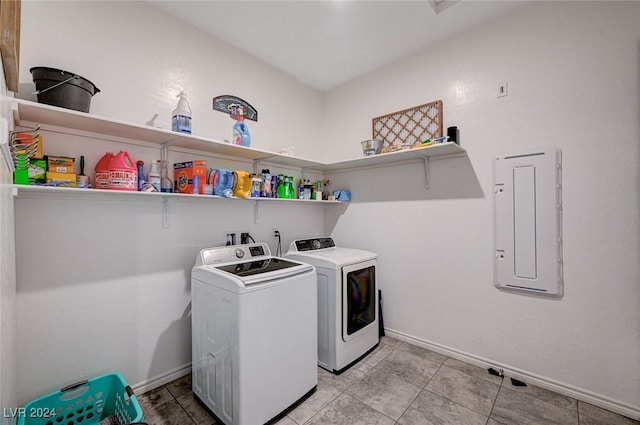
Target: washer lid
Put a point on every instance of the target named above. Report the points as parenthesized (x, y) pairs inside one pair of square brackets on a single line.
[(263, 265), (241, 266), (244, 276)]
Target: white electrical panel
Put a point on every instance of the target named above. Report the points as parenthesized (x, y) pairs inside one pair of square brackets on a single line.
[(528, 222)]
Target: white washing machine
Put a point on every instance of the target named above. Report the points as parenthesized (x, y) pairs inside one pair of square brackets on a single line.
[(254, 332), (347, 300)]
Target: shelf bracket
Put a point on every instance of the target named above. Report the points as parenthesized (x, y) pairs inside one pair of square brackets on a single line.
[(165, 212), (427, 182)]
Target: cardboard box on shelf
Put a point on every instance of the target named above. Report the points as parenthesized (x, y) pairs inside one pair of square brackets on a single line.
[(60, 164), (64, 179)]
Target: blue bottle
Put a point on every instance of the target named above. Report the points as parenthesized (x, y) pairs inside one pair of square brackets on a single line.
[(241, 134), (141, 178)]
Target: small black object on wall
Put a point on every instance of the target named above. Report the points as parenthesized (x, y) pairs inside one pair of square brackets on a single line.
[(454, 134)]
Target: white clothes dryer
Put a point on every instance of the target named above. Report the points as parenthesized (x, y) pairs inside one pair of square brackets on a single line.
[(347, 300), (254, 332)]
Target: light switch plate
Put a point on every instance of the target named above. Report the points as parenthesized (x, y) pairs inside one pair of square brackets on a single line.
[(503, 89)]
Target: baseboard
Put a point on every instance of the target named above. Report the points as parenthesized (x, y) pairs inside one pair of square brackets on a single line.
[(522, 375), (160, 380)]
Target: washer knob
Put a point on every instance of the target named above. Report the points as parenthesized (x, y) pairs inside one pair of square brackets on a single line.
[(316, 244), (239, 253)]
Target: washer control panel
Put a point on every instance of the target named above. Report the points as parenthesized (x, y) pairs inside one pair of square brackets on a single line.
[(227, 254)]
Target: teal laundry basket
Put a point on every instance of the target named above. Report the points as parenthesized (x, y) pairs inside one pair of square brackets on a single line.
[(85, 403)]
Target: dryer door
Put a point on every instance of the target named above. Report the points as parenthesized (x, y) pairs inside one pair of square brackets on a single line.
[(359, 298)]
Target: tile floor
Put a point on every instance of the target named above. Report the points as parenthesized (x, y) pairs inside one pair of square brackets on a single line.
[(403, 384)]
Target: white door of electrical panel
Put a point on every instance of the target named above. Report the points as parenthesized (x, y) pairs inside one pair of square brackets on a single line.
[(528, 222)]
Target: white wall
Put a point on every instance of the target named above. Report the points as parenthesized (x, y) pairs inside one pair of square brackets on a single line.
[(573, 71), (102, 285), (8, 382), (140, 58)]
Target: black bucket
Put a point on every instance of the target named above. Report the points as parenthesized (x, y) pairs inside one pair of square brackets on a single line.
[(63, 88)]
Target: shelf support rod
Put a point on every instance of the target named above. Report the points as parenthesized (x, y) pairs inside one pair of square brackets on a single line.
[(427, 182), (165, 212), (164, 152), (256, 212)]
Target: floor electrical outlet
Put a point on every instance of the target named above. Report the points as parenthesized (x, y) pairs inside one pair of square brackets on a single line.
[(495, 372)]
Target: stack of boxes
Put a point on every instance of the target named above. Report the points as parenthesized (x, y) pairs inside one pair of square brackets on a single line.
[(60, 170)]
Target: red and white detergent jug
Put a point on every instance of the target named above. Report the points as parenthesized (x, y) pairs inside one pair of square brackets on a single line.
[(123, 174), (102, 171)]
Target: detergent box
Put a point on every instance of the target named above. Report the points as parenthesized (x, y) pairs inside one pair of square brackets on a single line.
[(183, 173)]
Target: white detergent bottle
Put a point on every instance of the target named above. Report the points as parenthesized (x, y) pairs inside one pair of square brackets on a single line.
[(154, 176), (181, 117)]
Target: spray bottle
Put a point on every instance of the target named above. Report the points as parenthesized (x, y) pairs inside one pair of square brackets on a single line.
[(181, 117), (241, 134)]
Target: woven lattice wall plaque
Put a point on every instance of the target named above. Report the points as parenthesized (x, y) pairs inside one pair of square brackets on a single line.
[(410, 126)]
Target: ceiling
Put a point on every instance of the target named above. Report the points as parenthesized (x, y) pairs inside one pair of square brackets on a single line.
[(326, 43)]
